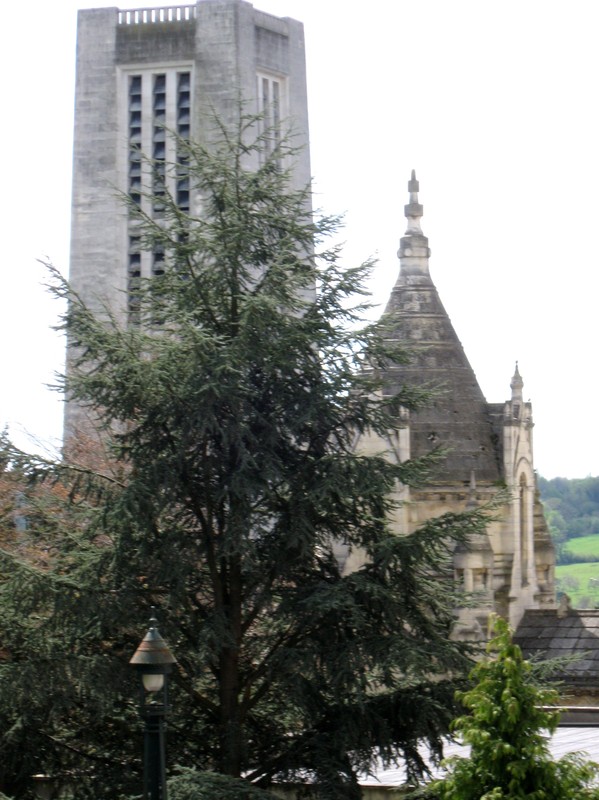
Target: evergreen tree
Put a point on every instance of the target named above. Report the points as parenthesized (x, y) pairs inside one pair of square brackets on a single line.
[(230, 406), (507, 729)]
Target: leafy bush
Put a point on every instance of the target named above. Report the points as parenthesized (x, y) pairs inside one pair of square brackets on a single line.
[(192, 784), (507, 730)]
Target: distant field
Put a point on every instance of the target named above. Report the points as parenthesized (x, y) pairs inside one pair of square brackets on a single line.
[(584, 546), (580, 582)]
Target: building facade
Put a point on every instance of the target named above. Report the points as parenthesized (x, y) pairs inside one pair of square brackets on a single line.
[(143, 73), (489, 448), (140, 75)]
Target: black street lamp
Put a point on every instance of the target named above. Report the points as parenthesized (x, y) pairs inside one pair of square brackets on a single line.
[(153, 661)]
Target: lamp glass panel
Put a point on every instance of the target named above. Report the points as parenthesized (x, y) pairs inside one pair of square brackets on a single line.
[(153, 682)]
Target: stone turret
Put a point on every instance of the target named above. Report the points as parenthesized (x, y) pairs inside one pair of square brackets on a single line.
[(488, 447)]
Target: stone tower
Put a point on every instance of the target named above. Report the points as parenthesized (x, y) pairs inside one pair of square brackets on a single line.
[(139, 74), (511, 567)]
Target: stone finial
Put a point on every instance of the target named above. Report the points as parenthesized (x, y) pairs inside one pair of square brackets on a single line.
[(413, 187), (516, 385), (413, 210), (564, 606), (472, 502), (413, 250)]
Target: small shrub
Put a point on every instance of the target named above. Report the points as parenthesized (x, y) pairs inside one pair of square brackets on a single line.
[(192, 784)]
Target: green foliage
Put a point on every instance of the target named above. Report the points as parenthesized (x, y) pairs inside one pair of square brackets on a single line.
[(571, 507), (191, 784), (229, 409), (584, 548), (507, 731), (572, 513), (578, 581)]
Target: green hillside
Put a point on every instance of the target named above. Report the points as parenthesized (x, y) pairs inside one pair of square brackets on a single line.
[(584, 547), (571, 506), (580, 582), (572, 512)]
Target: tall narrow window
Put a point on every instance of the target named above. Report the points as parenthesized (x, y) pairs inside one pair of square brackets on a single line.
[(158, 104), (135, 170), (159, 141), (135, 137), (134, 278), (524, 521), (272, 108), (158, 260), (183, 132)]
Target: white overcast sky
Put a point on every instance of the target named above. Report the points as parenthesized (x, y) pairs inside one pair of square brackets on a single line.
[(495, 106)]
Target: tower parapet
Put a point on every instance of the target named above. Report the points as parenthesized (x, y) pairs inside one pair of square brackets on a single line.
[(137, 16)]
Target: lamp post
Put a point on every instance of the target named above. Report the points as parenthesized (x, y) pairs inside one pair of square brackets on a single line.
[(153, 661)]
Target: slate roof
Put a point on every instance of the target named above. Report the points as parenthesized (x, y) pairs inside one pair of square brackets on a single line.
[(563, 633), (459, 418), (565, 740)]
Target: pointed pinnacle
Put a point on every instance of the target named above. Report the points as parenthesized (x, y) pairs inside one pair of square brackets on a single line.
[(413, 210), (413, 185), (516, 384)]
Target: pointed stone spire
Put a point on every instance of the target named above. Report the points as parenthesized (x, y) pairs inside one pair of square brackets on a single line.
[(416, 319), (413, 250), (516, 386)]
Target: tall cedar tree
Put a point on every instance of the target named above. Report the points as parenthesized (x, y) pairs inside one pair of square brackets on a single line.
[(230, 406), (507, 729)]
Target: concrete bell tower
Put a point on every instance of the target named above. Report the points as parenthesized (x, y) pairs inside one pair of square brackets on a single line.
[(140, 74)]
